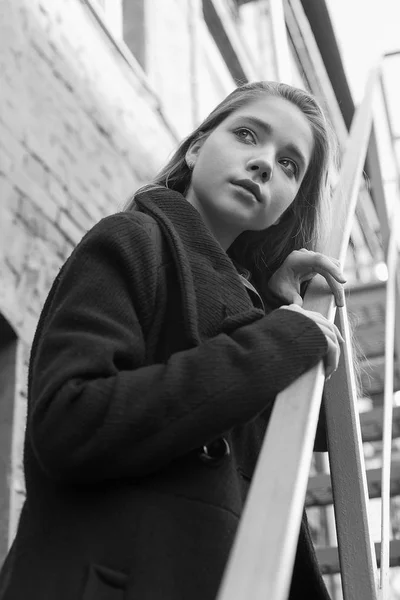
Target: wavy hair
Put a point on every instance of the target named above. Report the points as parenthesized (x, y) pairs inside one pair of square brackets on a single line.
[(305, 223)]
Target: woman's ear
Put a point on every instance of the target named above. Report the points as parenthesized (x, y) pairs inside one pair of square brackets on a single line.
[(194, 149)]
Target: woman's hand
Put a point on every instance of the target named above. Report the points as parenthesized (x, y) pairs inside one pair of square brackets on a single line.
[(331, 333), (302, 265)]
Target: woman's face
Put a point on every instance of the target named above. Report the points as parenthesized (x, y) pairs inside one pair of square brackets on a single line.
[(249, 169)]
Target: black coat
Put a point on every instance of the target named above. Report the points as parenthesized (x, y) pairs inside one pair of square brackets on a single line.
[(151, 381)]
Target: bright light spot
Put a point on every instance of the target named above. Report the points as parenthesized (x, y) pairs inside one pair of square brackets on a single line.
[(365, 404), (381, 271), (396, 398)]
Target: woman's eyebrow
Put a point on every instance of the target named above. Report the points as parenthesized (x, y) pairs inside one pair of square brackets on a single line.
[(268, 129)]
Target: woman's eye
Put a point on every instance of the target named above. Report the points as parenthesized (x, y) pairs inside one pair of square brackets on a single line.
[(246, 135), (290, 166)]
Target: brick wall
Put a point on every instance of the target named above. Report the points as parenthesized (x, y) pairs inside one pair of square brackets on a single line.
[(80, 130), (78, 133)]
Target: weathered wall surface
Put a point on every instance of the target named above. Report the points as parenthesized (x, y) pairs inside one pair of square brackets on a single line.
[(80, 130), (78, 133)]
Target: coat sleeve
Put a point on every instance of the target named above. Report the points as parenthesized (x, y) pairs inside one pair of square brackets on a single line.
[(272, 301), (96, 411)]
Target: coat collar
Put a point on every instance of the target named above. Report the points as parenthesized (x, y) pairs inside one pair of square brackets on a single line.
[(200, 261)]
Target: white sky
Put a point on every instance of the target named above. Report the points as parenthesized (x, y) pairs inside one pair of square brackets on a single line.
[(365, 30)]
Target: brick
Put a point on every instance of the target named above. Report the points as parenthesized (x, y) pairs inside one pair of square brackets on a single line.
[(38, 272), (32, 216), (14, 116), (12, 151), (18, 243), (6, 163), (36, 194), (69, 228), (36, 170), (55, 239), (26, 325), (9, 196), (93, 209), (52, 269), (58, 192), (15, 241), (42, 47), (80, 216), (8, 285)]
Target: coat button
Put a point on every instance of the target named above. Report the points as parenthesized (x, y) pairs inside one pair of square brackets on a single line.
[(215, 452)]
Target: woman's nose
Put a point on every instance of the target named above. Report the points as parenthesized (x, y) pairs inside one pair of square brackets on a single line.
[(264, 168)]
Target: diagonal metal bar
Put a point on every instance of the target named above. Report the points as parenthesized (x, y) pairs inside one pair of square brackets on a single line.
[(391, 218), (349, 485), (384, 583)]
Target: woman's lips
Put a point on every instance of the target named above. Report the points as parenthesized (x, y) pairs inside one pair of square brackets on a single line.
[(246, 192)]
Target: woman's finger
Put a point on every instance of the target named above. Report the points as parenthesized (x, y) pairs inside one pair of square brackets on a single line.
[(327, 264), (324, 266), (333, 354), (315, 261), (336, 287)]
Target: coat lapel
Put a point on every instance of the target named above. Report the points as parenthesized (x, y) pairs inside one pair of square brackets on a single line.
[(213, 296)]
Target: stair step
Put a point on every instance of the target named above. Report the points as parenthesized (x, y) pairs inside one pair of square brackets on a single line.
[(373, 375), (372, 421), (328, 558), (366, 307), (319, 489)]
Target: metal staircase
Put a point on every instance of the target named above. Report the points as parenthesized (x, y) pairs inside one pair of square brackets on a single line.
[(262, 558), (367, 303)]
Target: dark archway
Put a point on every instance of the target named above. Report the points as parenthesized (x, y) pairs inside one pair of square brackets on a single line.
[(8, 357)]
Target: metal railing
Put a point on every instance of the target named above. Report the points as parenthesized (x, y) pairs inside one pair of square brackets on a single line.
[(262, 557), (390, 329)]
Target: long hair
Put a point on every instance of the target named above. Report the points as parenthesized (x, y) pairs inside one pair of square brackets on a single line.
[(305, 223)]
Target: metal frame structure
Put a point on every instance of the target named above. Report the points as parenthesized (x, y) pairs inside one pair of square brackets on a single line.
[(262, 558)]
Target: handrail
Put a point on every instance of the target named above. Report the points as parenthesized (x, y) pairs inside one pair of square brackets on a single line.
[(262, 557), (388, 414), (389, 218), (390, 327)]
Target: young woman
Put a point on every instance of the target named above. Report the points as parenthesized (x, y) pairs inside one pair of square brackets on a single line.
[(159, 353)]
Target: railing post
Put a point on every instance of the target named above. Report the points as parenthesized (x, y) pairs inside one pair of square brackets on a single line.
[(349, 483)]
